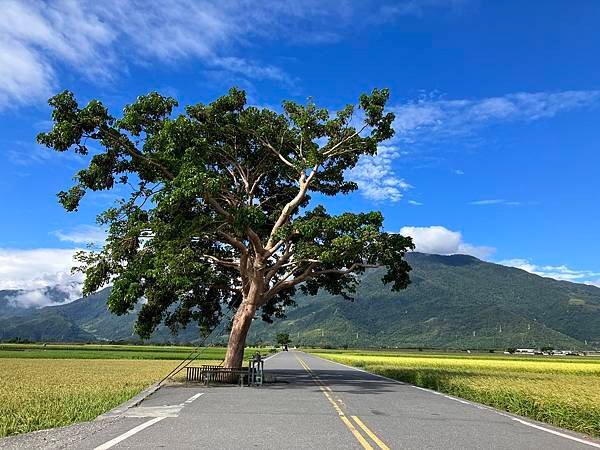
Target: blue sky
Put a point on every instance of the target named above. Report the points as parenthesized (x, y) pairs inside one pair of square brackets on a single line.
[(497, 105)]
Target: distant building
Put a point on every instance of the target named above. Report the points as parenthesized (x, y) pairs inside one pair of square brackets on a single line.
[(525, 351)]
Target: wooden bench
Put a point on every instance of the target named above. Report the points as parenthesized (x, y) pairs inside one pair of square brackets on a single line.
[(216, 374)]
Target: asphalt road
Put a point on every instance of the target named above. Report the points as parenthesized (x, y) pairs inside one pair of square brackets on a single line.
[(315, 404)]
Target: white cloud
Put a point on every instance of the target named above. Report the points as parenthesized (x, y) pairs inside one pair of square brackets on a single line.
[(25, 154), (417, 7), (429, 119), (39, 298), (432, 119), (561, 272), (375, 177), (415, 203), (497, 201), (82, 234), (35, 271), (494, 201), (441, 240), (101, 39)]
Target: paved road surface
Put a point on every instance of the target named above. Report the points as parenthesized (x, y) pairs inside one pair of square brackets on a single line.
[(316, 404)]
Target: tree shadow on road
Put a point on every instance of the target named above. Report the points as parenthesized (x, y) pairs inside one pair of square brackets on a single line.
[(341, 380)]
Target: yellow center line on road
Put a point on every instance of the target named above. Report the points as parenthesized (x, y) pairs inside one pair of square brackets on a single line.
[(359, 437), (370, 433)]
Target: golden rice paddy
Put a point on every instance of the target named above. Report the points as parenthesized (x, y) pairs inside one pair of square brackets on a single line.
[(44, 393)]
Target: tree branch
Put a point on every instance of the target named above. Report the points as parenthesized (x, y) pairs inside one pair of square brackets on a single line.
[(255, 240), (253, 237), (135, 153), (278, 264), (231, 240), (223, 262), (352, 268), (343, 141), (288, 209), (283, 284), (284, 159), (309, 273)]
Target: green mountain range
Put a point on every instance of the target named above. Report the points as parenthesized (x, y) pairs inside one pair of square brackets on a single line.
[(454, 301)]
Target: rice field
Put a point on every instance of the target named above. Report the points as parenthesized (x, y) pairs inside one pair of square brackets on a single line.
[(562, 392), (105, 351), (55, 385), (45, 393)]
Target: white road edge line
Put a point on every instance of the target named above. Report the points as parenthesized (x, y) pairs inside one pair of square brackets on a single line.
[(485, 407), (194, 397), (269, 357), (128, 434), (558, 433)]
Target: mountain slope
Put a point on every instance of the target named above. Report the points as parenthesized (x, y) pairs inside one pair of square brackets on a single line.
[(453, 301)]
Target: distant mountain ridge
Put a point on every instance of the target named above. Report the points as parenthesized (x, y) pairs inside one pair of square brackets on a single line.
[(454, 301)]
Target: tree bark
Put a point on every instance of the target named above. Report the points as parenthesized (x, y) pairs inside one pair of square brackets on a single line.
[(239, 330)]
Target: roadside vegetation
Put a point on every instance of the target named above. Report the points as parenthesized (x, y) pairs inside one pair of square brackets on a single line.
[(560, 391), (55, 385)]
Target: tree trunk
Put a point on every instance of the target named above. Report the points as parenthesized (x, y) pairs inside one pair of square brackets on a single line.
[(239, 330)]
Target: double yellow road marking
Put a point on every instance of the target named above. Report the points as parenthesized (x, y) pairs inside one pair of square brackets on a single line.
[(336, 405)]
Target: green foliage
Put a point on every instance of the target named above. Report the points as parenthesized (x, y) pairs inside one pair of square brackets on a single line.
[(220, 201), (283, 339)]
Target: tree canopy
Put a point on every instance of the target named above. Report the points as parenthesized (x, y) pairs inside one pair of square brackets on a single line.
[(219, 209), (283, 339)]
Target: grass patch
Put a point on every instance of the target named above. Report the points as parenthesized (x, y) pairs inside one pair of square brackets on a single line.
[(562, 392)]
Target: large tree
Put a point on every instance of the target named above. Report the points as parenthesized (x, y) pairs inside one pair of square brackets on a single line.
[(218, 212)]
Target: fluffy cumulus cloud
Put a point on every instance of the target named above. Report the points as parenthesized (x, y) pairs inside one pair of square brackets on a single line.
[(561, 272), (376, 178), (99, 39), (35, 271), (440, 240)]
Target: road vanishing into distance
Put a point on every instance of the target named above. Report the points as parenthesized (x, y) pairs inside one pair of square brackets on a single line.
[(314, 404)]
